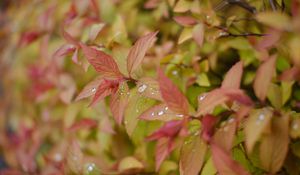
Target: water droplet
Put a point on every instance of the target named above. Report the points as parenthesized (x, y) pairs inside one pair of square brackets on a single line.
[(160, 113), (196, 133), (90, 167), (231, 120), (174, 72), (179, 115), (93, 89), (260, 118), (142, 88), (295, 126), (57, 157), (202, 97), (152, 114), (222, 33), (166, 108)]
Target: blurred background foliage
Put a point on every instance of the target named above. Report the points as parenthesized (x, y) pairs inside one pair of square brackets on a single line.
[(45, 131)]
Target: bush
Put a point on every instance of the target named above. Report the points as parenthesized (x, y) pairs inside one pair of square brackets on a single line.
[(150, 87)]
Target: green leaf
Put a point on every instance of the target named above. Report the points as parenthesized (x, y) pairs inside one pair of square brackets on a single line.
[(274, 95), (202, 80), (286, 90)]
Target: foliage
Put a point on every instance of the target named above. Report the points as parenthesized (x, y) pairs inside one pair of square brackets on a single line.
[(150, 87)]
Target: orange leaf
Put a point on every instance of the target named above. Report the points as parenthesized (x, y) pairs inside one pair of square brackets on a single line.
[(172, 96), (192, 156), (138, 51), (274, 146), (233, 77), (263, 78), (256, 125), (224, 163), (102, 62)]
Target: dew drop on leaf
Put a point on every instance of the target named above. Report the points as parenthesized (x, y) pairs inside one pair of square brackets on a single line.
[(142, 88), (160, 113)]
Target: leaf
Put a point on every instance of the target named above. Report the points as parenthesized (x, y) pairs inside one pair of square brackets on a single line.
[(256, 124), (295, 128), (149, 87), (70, 39), (208, 123), (224, 163), (163, 148), (64, 50), (224, 136), (274, 146), (75, 157), (275, 19), (95, 30), (192, 156), (186, 34), (172, 96), (136, 106), (29, 37), (83, 123), (106, 88), (160, 112), (138, 51), (275, 96), (263, 78), (290, 74), (89, 89), (182, 6), (118, 102), (208, 168), (286, 90), (185, 20), (101, 62), (168, 130), (198, 34), (202, 80), (129, 164), (233, 77)]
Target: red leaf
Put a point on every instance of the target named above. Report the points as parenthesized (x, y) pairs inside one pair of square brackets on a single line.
[(163, 148), (290, 74), (138, 51), (102, 62), (104, 89), (83, 123), (64, 50), (118, 102), (89, 89), (185, 20), (170, 129), (160, 112), (224, 163), (208, 123), (29, 37), (233, 77), (263, 78), (172, 96)]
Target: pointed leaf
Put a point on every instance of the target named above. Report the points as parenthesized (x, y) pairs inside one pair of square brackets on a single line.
[(101, 62), (192, 156), (104, 89), (172, 96), (83, 123), (119, 101), (89, 89), (198, 34), (149, 87), (224, 163), (163, 148), (256, 125), (185, 20), (138, 51), (233, 77), (263, 78), (274, 146), (160, 112), (208, 123)]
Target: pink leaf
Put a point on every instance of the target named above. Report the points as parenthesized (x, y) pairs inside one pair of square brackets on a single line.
[(104, 89), (89, 89), (163, 148), (64, 50), (160, 112), (198, 34), (151, 4), (185, 20), (170, 129), (269, 40), (138, 51), (70, 39), (233, 77), (102, 62), (82, 124), (290, 74), (263, 78), (118, 102), (224, 163), (29, 37), (172, 96)]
